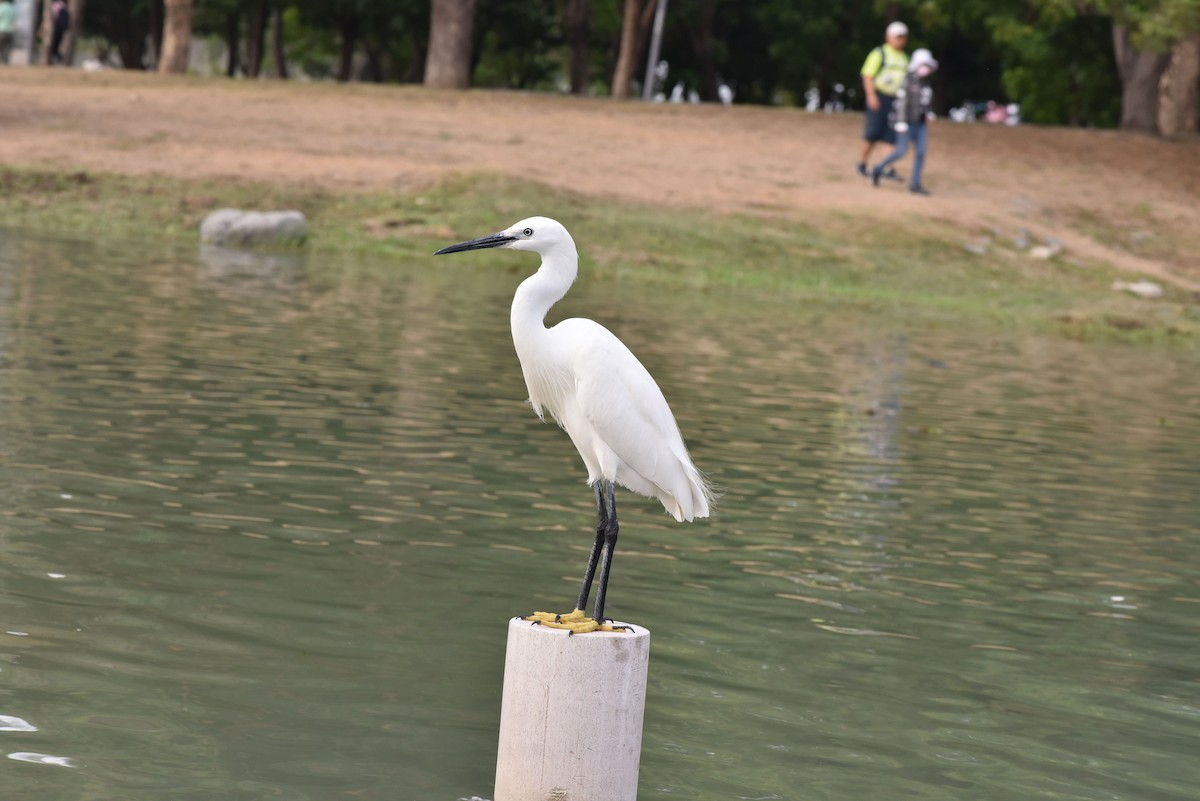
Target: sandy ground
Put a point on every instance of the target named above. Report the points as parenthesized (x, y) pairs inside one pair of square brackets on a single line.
[(1129, 200)]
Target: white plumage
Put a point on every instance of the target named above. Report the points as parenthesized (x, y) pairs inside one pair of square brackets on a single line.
[(595, 387), (597, 390)]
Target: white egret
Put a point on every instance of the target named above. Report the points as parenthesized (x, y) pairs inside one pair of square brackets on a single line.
[(597, 390)]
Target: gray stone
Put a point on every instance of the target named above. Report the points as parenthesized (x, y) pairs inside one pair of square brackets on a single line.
[(248, 228), (1021, 239), (1143, 289), (1052, 248)]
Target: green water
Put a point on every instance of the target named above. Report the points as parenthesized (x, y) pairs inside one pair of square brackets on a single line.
[(263, 525)]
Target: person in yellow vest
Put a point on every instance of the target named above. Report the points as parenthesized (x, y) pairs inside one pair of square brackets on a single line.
[(883, 74)]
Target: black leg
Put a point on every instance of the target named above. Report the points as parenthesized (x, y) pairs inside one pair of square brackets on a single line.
[(593, 560), (610, 544)]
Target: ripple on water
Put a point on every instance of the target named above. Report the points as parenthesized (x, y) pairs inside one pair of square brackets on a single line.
[(263, 528)]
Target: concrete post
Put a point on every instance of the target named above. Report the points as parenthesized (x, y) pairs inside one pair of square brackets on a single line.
[(571, 718)]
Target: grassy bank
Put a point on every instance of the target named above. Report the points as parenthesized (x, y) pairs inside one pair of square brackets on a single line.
[(919, 271)]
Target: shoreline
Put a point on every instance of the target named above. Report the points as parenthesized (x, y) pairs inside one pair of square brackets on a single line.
[(741, 197)]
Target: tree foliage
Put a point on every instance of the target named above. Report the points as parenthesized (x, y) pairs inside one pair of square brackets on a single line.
[(1054, 57)]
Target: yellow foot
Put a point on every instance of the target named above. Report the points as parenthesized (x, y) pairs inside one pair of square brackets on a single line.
[(576, 622)]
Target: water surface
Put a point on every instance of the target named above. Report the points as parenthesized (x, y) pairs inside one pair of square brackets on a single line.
[(263, 524)]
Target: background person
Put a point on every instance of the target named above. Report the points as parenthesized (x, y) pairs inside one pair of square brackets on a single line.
[(60, 22), (911, 115), (882, 76)]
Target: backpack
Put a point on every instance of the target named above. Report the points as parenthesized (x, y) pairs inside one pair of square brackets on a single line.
[(882, 60)]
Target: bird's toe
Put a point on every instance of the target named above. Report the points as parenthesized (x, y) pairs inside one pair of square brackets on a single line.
[(576, 622)]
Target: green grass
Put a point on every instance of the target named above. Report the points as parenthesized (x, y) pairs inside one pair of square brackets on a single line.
[(916, 270)]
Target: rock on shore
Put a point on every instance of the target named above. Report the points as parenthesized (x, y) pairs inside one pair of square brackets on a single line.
[(248, 228)]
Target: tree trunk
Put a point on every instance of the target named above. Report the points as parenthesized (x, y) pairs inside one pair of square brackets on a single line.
[(43, 32), (414, 71), (374, 65), (578, 23), (448, 65), (256, 38), (349, 32), (76, 8), (1177, 95), (281, 70), (130, 43), (233, 42), (177, 37), (156, 31), (635, 24), (701, 35), (1140, 72), (626, 61)]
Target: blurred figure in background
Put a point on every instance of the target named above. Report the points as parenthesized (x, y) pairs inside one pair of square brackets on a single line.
[(60, 22), (911, 116), (8, 28), (882, 76)]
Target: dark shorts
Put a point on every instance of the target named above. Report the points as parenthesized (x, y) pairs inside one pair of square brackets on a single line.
[(877, 128)]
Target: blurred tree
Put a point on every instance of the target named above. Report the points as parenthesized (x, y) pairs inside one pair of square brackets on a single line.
[(256, 35), (700, 19), (177, 36), (400, 30), (1053, 57), (1059, 65), (76, 9), (635, 28), (521, 46), (220, 18), (157, 13), (123, 25), (277, 49), (819, 44), (448, 64), (348, 20), (1141, 70), (1079, 62), (233, 42), (577, 19), (1177, 108), (603, 43), (1143, 34), (349, 24)]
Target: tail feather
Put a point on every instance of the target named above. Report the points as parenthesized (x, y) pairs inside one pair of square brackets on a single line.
[(693, 499)]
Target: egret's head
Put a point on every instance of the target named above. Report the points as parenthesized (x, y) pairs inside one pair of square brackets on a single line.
[(539, 234)]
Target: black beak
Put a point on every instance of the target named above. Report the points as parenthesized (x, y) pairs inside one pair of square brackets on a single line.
[(492, 241)]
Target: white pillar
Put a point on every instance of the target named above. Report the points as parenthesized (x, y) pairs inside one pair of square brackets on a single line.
[(571, 718), (656, 33)]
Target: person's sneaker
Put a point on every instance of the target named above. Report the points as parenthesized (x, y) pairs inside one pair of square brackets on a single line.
[(919, 190), (892, 175), (876, 174), (862, 168)]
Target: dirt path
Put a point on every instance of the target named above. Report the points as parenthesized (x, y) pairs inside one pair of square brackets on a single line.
[(1104, 194)]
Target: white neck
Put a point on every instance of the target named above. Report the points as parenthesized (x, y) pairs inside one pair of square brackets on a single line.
[(540, 291)]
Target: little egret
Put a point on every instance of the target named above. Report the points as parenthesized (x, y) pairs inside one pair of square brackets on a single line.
[(597, 390)]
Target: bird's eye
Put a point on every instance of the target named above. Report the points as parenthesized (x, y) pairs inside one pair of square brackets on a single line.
[(528, 232)]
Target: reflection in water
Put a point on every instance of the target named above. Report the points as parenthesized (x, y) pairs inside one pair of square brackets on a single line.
[(264, 524), (237, 270), (42, 759), (14, 723)]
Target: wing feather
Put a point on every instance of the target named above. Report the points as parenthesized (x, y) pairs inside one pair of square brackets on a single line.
[(629, 416)]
